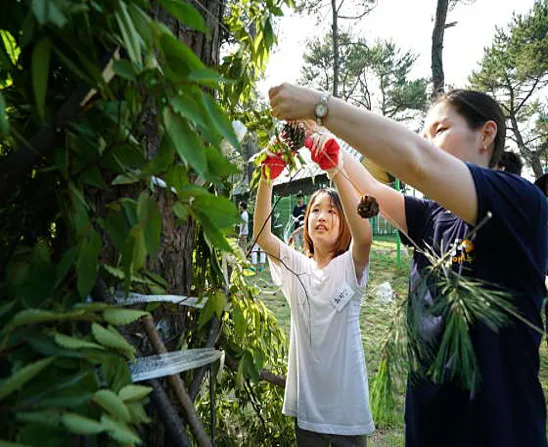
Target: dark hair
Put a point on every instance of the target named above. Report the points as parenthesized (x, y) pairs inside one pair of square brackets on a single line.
[(300, 195), (243, 205), (477, 108), (510, 162), (343, 242), (542, 183)]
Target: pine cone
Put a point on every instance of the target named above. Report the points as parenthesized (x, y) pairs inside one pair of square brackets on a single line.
[(368, 206), (293, 135)]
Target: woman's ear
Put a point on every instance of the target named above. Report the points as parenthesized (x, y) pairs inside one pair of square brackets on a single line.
[(489, 133)]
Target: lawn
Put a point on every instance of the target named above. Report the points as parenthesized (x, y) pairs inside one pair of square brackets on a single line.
[(374, 322)]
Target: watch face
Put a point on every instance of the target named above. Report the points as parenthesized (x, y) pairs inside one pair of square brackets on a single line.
[(321, 110)]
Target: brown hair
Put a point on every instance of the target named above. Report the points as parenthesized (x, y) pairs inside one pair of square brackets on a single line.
[(477, 108), (343, 241)]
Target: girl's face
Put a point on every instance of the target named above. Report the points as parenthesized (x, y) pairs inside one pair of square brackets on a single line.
[(324, 222), (449, 131)]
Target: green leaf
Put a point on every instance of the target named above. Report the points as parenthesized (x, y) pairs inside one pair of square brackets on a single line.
[(67, 261), (68, 342), (123, 316), (112, 339), (220, 120), (214, 305), (22, 376), (138, 247), (40, 71), (249, 367), (181, 211), (124, 179), (142, 23), (180, 59), (124, 69), (6, 307), (206, 76), (92, 176), (12, 444), (218, 164), (44, 344), (47, 11), (113, 404), (138, 414), (207, 312), (220, 302), (4, 124), (150, 219), (31, 316), (187, 143), (191, 106), (134, 392), (87, 262), (220, 211), (177, 177), (117, 225), (48, 418), (213, 235), (131, 37), (163, 159), (119, 432), (81, 425), (239, 321), (186, 14)]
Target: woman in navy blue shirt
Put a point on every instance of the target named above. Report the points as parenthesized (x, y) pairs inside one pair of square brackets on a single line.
[(463, 137)]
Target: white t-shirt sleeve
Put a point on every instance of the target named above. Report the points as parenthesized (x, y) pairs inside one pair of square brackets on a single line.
[(284, 272), (351, 267)]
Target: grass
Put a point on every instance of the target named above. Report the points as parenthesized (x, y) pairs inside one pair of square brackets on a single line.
[(374, 321)]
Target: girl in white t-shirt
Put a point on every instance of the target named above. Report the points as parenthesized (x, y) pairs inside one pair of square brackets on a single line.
[(326, 389)]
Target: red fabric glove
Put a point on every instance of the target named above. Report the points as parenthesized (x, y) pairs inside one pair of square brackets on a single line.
[(324, 150), (275, 163)]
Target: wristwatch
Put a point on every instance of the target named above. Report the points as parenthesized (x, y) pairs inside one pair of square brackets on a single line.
[(321, 109)]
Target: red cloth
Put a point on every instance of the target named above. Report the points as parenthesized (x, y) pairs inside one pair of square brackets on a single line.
[(276, 164), (327, 156)]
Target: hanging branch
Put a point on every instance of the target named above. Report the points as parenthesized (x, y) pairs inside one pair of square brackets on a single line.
[(264, 374), (213, 335), (169, 415), (178, 387)]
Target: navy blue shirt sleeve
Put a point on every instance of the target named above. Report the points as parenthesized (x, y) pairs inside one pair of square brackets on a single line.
[(518, 212), (417, 215)]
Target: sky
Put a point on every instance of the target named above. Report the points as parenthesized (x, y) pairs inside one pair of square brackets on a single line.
[(409, 24)]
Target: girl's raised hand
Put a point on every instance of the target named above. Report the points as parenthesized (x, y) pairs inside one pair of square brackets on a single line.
[(325, 150), (273, 164)]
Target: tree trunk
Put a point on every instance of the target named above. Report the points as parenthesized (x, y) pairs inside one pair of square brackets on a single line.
[(530, 156), (174, 258), (438, 79), (335, 36)]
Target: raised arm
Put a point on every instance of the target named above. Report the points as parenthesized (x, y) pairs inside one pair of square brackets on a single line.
[(391, 202), (262, 230), (359, 227), (411, 158)]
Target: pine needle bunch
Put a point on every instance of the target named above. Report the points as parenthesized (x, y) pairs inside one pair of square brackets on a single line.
[(461, 304), (392, 370)]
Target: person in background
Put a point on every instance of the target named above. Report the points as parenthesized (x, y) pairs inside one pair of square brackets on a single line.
[(510, 162), (244, 226), (298, 219)]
